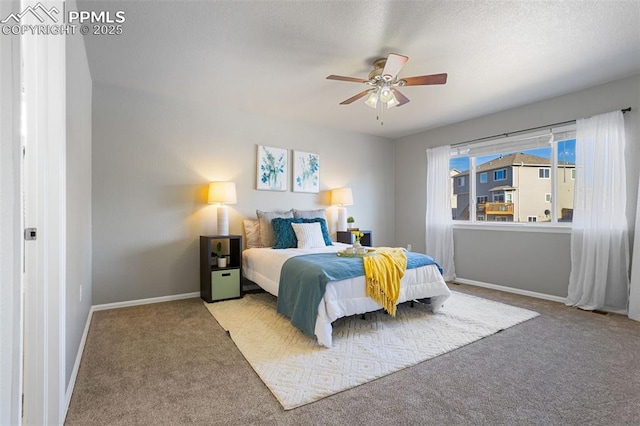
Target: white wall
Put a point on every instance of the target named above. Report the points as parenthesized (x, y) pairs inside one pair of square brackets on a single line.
[(542, 264), (10, 224), (78, 204), (153, 157)]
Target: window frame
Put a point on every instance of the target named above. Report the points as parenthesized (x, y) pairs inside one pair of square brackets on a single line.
[(560, 134), (546, 174), (486, 177), (497, 171)]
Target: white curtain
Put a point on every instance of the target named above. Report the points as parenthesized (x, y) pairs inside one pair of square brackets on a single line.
[(599, 238), (439, 222), (634, 290)]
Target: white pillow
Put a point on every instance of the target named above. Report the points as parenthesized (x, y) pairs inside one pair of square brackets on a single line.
[(252, 232), (309, 235)]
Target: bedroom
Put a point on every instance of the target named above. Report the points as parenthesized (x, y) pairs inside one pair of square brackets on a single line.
[(160, 130)]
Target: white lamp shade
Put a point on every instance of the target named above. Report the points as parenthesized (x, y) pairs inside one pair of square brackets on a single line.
[(372, 100), (386, 94), (222, 192), (342, 197)]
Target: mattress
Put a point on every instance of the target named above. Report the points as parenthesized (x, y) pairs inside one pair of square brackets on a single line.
[(342, 298)]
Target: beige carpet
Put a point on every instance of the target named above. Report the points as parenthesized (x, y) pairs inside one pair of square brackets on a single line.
[(299, 371)]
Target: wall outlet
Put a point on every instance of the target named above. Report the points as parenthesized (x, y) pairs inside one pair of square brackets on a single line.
[(80, 292), (409, 247)]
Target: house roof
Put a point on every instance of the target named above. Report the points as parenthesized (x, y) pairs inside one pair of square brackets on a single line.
[(502, 188), (517, 159)]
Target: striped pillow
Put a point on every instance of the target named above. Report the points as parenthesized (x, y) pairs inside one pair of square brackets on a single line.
[(309, 235)]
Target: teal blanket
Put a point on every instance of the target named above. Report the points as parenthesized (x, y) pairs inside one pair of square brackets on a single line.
[(303, 280)]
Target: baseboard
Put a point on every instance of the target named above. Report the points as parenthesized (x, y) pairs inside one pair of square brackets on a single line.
[(128, 303), (85, 333), (511, 290), (76, 364)]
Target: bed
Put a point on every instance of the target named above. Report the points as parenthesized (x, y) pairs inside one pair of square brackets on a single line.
[(341, 298)]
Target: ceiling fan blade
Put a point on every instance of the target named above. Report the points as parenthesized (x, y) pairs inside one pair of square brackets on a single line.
[(394, 64), (341, 78), (402, 99), (356, 97), (425, 80)]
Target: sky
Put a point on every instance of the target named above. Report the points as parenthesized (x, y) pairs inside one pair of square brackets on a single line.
[(566, 152)]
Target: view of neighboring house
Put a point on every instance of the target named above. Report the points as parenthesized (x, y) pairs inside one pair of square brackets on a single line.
[(515, 188)]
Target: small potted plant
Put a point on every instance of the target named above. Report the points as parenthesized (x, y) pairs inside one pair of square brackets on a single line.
[(351, 224), (222, 260)]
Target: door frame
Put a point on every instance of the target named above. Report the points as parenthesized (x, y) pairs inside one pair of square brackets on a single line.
[(44, 189)]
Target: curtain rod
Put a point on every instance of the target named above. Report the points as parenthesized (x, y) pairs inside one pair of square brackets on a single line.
[(624, 110)]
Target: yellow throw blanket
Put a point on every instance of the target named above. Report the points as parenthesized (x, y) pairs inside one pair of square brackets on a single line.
[(383, 272)]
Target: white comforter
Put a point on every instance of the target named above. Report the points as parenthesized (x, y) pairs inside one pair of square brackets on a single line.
[(342, 298)]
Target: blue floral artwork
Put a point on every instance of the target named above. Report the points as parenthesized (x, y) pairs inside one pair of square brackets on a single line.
[(272, 173), (306, 172)]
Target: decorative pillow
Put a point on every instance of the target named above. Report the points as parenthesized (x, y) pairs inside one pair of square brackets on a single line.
[(310, 214), (283, 235), (309, 235), (252, 232), (323, 227), (266, 228)]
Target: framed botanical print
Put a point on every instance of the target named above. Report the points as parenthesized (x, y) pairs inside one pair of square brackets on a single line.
[(272, 172), (306, 172)]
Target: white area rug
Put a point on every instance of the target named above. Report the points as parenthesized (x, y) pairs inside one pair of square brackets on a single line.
[(299, 371)]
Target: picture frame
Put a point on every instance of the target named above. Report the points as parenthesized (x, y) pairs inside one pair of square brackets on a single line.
[(272, 168), (306, 172)]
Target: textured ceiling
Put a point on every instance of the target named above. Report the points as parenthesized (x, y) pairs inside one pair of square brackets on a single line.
[(272, 57)]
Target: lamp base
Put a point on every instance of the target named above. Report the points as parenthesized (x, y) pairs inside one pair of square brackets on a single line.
[(342, 219), (223, 221)]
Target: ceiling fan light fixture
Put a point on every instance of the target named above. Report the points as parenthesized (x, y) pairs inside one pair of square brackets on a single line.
[(372, 100), (386, 94), (392, 102)]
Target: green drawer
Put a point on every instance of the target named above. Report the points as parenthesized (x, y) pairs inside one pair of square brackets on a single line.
[(225, 284)]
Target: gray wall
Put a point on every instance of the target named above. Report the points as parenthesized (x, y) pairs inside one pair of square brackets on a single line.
[(78, 197), (542, 264), (153, 157)]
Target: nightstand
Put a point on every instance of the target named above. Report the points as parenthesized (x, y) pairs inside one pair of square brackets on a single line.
[(346, 237), (220, 283)]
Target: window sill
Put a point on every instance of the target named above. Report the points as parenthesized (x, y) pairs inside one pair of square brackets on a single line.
[(547, 228)]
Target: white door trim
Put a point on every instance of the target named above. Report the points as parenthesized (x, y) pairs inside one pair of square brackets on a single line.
[(10, 227), (44, 79)]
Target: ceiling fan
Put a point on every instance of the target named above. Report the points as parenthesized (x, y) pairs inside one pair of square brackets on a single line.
[(385, 81)]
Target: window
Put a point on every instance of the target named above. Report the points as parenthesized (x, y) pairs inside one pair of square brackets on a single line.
[(565, 180), (544, 173), (461, 181), (533, 178)]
